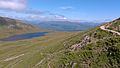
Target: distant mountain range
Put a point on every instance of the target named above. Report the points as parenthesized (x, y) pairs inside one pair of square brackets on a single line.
[(95, 48), (65, 25), (51, 25)]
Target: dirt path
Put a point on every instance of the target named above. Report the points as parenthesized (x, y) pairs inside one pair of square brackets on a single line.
[(14, 57), (104, 28), (40, 62)]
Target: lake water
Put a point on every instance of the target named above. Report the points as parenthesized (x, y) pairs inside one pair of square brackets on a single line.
[(24, 36)]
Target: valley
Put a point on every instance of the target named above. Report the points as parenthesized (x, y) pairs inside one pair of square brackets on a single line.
[(59, 33), (28, 53), (93, 48)]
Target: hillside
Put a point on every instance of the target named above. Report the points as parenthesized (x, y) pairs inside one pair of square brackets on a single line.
[(10, 27), (114, 25), (96, 48), (12, 23)]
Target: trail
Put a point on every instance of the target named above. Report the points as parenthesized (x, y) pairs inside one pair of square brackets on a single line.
[(40, 62), (87, 39), (112, 31), (16, 63), (14, 57)]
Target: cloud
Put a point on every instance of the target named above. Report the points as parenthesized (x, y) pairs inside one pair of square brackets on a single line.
[(13, 4), (66, 7), (19, 6), (37, 17), (19, 9), (60, 17), (47, 17), (33, 11)]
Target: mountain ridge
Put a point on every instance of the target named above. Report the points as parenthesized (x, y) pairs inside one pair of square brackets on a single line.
[(9, 27), (4, 21), (65, 25)]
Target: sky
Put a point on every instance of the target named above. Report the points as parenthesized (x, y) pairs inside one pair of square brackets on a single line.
[(47, 10)]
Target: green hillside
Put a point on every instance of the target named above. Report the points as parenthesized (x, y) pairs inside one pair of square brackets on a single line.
[(100, 50), (27, 53), (115, 25), (9, 27), (94, 48)]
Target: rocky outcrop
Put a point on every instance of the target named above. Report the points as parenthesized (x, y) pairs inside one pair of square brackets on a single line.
[(83, 43)]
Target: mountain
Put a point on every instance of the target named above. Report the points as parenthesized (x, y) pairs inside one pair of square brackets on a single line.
[(12, 23), (98, 47), (10, 27), (65, 25)]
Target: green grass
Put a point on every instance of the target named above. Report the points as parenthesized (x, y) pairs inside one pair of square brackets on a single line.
[(102, 52), (115, 26), (34, 49), (1, 26), (54, 50)]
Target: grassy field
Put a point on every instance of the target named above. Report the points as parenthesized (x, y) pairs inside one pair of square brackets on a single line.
[(32, 53), (102, 52), (54, 49), (6, 32)]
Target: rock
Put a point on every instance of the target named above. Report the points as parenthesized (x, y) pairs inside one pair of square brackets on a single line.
[(84, 42)]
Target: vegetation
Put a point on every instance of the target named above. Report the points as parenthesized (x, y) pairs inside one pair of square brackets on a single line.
[(102, 52), (54, 50), (115, 25), (9, 27)]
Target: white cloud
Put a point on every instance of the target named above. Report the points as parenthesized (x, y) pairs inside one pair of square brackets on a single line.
[(19, 9), (66, 7), (47, 18), (60, 17), (37, 17), (13, 4)]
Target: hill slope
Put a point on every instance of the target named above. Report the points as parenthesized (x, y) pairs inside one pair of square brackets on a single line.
[(12, 23), (96, 48), (10, 26)]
